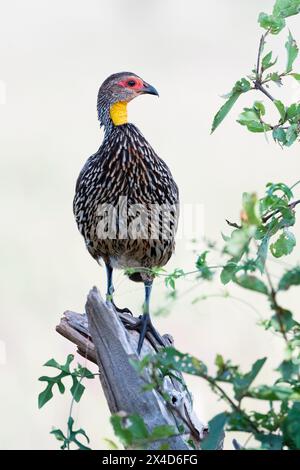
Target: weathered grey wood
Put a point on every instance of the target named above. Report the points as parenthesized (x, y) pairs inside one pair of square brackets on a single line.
[(104, 339), (74, 327)]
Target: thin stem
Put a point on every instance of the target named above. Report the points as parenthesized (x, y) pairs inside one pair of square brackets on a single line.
[(258, 83), (276, 307), (233, 405), (71, 410), (292, 205), (267, 80), (183, 274), (233, 224), (258, 86), (295, 184), (260, 51)]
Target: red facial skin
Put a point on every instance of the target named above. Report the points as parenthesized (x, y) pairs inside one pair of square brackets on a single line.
[(139, 84)]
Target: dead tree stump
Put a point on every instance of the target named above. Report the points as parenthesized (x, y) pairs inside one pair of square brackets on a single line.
[(101, 337)]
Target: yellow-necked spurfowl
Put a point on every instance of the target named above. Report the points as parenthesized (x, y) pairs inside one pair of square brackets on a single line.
[(126, 200)]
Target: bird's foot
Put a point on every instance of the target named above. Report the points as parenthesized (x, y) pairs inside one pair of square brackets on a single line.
[(144, 326), (120, 310)]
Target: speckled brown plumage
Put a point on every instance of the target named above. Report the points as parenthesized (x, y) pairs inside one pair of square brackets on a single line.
[(125, 165)]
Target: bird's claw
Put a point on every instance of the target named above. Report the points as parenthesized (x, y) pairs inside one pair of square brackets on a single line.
[(124, 310), (144, 326), (121, 310)]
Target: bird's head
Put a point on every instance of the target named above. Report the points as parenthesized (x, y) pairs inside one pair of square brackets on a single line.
[(114, 94)]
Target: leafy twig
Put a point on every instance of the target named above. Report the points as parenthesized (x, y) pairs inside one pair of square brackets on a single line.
[(292, 205), (233, 224)]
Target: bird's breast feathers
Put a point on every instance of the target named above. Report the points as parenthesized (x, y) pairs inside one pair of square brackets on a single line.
[(126, 173)]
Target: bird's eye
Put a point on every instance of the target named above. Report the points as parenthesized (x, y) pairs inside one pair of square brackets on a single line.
[(131, 83)]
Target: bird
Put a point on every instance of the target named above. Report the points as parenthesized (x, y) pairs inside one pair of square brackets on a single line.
[(127, 174)]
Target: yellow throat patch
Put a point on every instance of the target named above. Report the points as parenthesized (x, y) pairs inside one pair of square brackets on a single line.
[(118, 113)]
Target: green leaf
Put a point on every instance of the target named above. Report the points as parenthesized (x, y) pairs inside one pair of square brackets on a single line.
[(53, 363), (254, 126), (162, 432), (84, 372), (137, 427), (284, 244), (216, 432), (262, 254), (260, 108), (296, 76), (273, 188), (275, 77), (77, 389), (170, 359), (239, 241), (285, 8), (111, 444), (286, 136), (292, 52), (293, 112), (250, 118), (274, 393), (73, 435), (170, 282), (171, 278), (270, 441), (292, 134), (122, 433), (288, 369), (201, 264), (242, 382), (271, 22), (279, 135), (251, 208), (252, 283), (267, 61), (226, 371), (58, 434), (219, 362), (290, 278), (224, 110), (240, 87), (283, 322), (45, 396), (131, 430), (65, 367), (291, 426), (282, 111), (228, 272)]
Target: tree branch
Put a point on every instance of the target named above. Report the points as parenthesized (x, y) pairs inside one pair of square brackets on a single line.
[(102, 337), (259, 70), (258, 86), (260, 51)]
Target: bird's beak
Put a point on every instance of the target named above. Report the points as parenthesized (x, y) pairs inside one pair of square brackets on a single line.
[(149, 90)]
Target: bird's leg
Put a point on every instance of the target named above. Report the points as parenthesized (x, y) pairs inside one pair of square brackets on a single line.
[(144, 325), (110, 286), (111, 290)]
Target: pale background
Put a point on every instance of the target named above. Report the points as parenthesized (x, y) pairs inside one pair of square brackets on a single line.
[(54, 56)]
